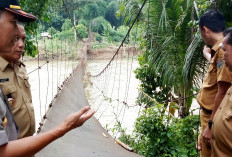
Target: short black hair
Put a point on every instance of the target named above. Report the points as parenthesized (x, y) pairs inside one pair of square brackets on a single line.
[(227, 31), (213, 20), (229, 39)]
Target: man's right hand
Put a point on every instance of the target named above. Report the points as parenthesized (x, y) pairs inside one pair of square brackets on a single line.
[(76, 119), (207, 53), (30, 145)]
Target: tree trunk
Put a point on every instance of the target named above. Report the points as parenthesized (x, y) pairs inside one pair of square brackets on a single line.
[(74, 20), (192, 29)]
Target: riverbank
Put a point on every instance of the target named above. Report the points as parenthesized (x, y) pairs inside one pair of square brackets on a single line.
[(105, 53)]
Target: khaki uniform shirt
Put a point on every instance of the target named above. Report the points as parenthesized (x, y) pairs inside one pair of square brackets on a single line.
[(217, 71), (14, 84), (222, 128)]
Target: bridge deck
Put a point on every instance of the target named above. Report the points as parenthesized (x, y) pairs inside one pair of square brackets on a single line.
[(86, 141)]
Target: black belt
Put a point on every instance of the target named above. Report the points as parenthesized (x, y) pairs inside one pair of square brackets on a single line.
[(206, 110)]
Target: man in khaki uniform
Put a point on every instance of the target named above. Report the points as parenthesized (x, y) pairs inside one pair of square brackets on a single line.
[(222, 122), (14, 84), (217, 79)]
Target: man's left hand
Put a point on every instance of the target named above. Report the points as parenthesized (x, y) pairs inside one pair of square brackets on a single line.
[(207, 135)]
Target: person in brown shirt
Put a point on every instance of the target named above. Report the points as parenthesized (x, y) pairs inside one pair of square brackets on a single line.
[(218, 78), (14, 84), (222, 122)]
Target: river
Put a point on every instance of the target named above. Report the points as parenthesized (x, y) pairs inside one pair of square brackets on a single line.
[(113, 83), (44, 83), (44, 87)]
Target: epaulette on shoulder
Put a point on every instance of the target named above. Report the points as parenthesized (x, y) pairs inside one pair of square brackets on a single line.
[(22, 64)]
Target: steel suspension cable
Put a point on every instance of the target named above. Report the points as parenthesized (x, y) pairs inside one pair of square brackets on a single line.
[(45, 50), (37, 44), (110, 71), (52, 56), (123, 39)]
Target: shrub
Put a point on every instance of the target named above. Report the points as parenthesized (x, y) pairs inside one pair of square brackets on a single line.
[(157, 134), (99, 38), (83, 22), (99, 24), (67, 25), (68, 34), (52, 31), (82, 31)]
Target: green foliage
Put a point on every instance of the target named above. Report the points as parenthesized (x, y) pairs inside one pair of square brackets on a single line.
[(110, 14), (30, 48), (225, 6), (65, 34), (153, 134), (186, 134), (84, 22), (172, 64), (151, 83), (82, 31), (157, 134), (52, 31), (69, 35), (113, 35), (99, 38), (117, 36), (54, 18), (67, 25), (124, 29), (100, 45), (94, 9), (129, 10), (37, 8), (57, 20), (99, 24), (165, 40)]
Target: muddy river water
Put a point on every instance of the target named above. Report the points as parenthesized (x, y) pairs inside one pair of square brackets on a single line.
[(44, 84)]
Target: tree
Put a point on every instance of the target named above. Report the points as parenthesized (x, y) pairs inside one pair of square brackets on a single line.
[(67, 25), (94, 9), (99, 24), (110, 15), (172, 64), (82, 31), (37, 8), (166, 39)]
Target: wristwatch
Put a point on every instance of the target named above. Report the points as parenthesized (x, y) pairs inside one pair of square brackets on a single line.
[(210, 123)]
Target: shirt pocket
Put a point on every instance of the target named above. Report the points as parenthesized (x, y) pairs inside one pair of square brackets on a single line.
[(9, 89), (11, 92), (211, 77), (210, 67)]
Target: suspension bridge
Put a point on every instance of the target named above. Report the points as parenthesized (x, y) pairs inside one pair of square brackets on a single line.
[(67, 86), (60, 77)]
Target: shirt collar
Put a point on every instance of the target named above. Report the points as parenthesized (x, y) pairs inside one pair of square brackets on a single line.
[(19, 63), (217, 45), (4, 64)]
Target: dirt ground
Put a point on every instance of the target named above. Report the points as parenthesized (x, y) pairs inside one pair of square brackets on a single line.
[(108, 52)]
